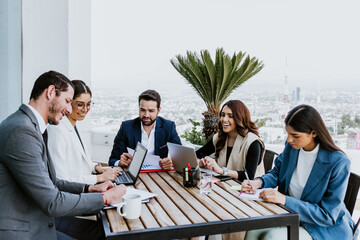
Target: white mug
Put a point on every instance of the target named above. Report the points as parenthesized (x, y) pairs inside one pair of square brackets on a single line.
[(131, 206)]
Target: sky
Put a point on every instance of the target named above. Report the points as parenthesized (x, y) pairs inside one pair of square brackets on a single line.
[(316, 43)]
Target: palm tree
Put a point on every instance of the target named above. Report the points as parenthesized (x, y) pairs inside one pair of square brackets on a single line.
[(214, 81)]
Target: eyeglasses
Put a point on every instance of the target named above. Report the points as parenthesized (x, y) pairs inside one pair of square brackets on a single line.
[(82, 105)]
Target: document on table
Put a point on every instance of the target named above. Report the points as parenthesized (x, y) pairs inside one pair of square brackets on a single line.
[(151, 162), (252, 196), (145, 196)]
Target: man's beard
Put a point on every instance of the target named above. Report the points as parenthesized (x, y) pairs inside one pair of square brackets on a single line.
[(54, 110), (151, 122)]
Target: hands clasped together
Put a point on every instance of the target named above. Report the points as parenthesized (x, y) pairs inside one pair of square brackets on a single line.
[(269, 195)]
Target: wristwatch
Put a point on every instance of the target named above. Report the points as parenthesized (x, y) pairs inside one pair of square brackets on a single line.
[(226, 171)]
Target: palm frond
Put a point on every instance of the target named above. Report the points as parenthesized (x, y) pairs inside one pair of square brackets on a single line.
[(215, 80)]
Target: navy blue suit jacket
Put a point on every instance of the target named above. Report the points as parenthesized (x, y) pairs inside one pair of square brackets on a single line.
[(130, 134)]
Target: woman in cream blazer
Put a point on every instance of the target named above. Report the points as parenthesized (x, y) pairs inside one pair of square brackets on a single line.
[(68, 152), (237, 145)]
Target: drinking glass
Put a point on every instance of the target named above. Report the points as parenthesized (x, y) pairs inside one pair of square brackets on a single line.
[(205, 183)]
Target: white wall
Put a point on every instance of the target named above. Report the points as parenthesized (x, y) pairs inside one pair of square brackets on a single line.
[(79, 53), (45, 40), (10, 56)]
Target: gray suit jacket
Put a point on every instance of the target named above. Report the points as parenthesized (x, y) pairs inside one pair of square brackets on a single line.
[(30, 194)]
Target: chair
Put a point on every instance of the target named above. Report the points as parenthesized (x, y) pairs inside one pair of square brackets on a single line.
[(269, 159), (352, 192), (351, 195)]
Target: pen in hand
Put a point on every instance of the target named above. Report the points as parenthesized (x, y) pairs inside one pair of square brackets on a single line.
[(247, 178)]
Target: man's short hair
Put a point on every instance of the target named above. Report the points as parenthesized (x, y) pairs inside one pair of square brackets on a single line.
[(150, 95), (60, 82)]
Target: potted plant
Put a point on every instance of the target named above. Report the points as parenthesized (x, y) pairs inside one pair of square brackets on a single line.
[(215, 80)]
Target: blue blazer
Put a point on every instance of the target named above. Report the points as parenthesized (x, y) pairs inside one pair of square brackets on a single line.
[(130, 134), (321, 206)]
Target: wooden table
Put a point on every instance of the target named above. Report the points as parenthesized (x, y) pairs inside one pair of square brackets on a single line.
[(179, 212)]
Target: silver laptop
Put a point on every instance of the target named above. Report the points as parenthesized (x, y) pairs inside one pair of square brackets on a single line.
[(181, 156), (130, 176)]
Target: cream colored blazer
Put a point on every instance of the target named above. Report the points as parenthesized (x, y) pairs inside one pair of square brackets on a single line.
[(71, 162), (237, 159)]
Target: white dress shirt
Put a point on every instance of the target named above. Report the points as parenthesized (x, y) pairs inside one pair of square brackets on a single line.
[(148, 141), (39, 118)]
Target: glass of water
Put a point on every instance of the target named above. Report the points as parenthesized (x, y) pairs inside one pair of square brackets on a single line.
[(205, 183)]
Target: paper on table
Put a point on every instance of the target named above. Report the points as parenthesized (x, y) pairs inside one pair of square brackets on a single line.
[(151, 162), (252, 196), (129, 190)]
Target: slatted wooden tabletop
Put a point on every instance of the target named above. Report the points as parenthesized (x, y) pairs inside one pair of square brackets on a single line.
[(183, 211)]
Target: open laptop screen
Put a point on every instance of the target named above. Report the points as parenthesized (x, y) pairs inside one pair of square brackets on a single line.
[(138, 157)]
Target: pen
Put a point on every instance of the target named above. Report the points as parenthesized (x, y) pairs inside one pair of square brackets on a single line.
[(247, 177)]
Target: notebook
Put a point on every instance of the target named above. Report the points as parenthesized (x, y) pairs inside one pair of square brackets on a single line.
[(130, 176), (181, 156)]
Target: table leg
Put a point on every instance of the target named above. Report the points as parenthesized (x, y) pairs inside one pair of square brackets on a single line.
[(293, 232)]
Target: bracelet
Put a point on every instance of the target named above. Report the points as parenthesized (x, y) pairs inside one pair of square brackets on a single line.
[(106, 202)]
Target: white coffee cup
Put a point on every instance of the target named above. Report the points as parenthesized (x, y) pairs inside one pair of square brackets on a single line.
[(131, 206)]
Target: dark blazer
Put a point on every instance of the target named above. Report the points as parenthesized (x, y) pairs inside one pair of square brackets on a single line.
[(130, 133), (31, 195), (321, 206)]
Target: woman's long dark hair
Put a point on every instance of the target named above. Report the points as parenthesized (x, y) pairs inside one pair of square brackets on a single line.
[(242, 120), (305, 118)]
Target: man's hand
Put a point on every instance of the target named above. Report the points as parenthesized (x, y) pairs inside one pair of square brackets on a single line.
[(114, 195), (101, 187), (165, 163), (110, 174), (125, 159), (273, 196)]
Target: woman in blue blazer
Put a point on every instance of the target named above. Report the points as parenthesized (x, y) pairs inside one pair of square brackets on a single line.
[(311, 175)]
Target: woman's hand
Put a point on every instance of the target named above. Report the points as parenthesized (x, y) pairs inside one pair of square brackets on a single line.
[(250, 187), (273, 196), (200, 162), (210, 163), (99, 169), (109, 175)]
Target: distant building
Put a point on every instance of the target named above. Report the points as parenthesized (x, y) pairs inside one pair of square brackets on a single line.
[(353, 140), (298, 97)]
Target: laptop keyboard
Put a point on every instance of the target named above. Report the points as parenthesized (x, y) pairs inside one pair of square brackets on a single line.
[(124, 178)]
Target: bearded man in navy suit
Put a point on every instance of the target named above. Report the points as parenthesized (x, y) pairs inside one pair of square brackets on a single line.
[(149, 129)]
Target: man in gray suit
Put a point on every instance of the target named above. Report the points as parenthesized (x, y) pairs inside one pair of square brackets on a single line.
[(31, 195)]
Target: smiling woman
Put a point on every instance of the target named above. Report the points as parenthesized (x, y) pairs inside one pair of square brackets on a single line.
[(75, 164)]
